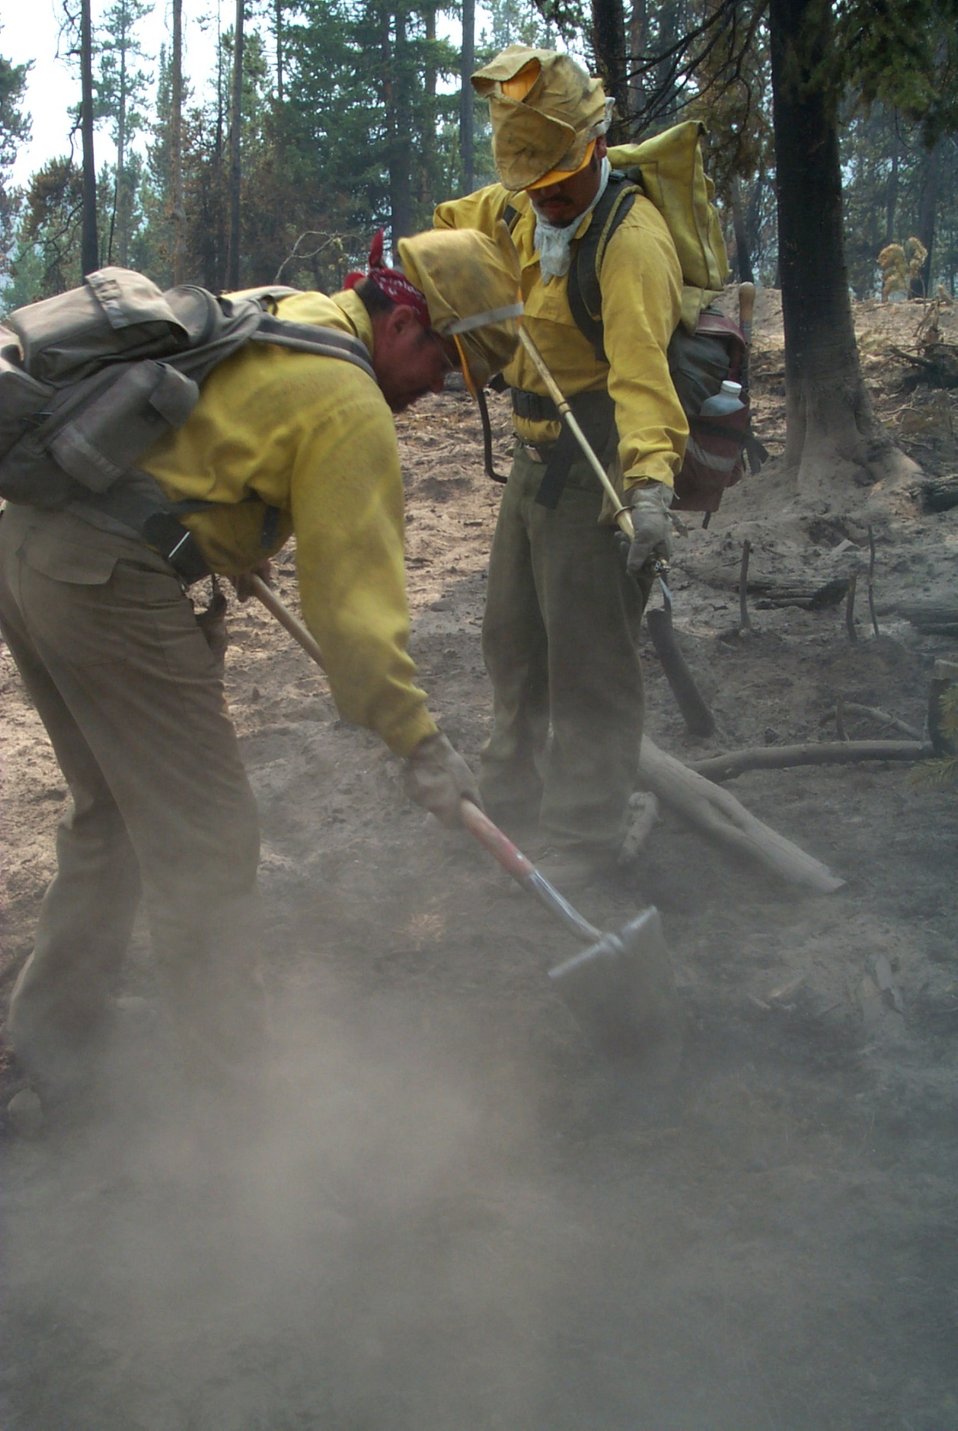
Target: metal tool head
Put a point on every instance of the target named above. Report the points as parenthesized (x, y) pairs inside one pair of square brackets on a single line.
[(622, 991), (661, 569)]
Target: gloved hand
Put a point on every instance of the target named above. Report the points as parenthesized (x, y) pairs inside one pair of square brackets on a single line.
[(241, 583), (437, 777), (649, 507)]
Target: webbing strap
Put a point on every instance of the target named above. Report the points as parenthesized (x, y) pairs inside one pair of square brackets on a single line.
[(560, 457), (483, 319), (583, 291), (488, 459), (313, 338), (534, 407), (594, 411), (140, 504)]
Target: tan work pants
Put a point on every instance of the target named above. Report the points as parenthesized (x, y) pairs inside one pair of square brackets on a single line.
[(559, 642), (132, 699)]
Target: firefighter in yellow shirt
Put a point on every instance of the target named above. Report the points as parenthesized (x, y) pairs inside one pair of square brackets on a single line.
[(562, 612), (104, 634)]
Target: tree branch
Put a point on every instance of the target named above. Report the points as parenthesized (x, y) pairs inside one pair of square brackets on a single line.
[(825, 752)]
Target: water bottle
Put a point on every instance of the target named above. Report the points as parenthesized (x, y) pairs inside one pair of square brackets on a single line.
[(727, 399)]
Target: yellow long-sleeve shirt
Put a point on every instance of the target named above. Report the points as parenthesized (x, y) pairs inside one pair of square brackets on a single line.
[(313, 438), (641, 304)]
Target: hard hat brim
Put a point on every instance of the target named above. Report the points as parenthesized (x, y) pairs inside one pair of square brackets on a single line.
[(558, 176)]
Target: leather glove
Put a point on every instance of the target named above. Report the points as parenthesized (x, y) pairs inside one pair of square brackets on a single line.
[(649, 507), (437, 777)]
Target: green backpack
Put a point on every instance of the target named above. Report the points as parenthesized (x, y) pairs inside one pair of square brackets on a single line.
[(91, 378)]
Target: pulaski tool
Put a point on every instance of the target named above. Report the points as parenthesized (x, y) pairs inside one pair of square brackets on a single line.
[(620, 989)]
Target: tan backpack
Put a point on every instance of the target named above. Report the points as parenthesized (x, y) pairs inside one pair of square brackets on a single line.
[(91, 378)]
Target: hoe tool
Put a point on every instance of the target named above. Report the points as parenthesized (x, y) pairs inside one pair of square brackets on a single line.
[(620, 989)]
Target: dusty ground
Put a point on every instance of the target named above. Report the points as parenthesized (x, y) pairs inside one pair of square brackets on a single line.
[(462, 1219)]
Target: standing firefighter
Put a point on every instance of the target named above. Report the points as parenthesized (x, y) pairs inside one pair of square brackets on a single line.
[(280, 443), (562, 614)]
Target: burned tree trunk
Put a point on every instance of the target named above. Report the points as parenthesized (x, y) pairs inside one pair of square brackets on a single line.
[(89, 241), (831, 428), (608, 40)]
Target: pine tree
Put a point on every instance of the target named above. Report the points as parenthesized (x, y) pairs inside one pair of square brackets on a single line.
[(14, 130), (121, 93)]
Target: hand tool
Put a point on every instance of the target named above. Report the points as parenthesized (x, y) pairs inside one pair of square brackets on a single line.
[(746, 308), (620, 989), (622, 515), (699, 720), (696, 713)]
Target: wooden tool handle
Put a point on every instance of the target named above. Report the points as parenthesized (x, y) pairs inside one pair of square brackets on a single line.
[(523, 871), (746, 306), (622, 516), (478, 824), (286, 618), (512, 860)]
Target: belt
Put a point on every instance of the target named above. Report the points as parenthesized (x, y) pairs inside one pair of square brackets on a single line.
[(595, 414), (594, 411), (534, 406), (139, 504), (176, 545)]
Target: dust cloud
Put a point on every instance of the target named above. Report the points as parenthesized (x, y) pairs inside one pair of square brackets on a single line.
[(431, 1221), (373, 1241)]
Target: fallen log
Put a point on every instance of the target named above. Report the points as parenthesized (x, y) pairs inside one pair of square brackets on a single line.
[(937, 365), (810, 592), (934, 620), (940, 494), (809, 595), (823, 752), (852, 708), (725, 820)]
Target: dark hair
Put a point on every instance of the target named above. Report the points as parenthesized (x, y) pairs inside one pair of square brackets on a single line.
[(373, 298)]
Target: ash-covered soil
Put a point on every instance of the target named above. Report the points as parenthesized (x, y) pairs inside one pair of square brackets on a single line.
[(457, 1216)]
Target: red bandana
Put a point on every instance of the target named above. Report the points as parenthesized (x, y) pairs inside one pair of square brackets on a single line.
[(391, 282)]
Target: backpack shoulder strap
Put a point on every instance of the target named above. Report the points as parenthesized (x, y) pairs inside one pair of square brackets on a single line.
[(516, 207), (218, 326), (313, 338), (584, 292)]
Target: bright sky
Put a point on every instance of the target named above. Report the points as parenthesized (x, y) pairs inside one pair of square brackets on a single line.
[(33, 33)]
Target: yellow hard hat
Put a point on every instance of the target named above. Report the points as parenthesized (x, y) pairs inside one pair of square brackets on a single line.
[(471, 286), (546, 115)]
